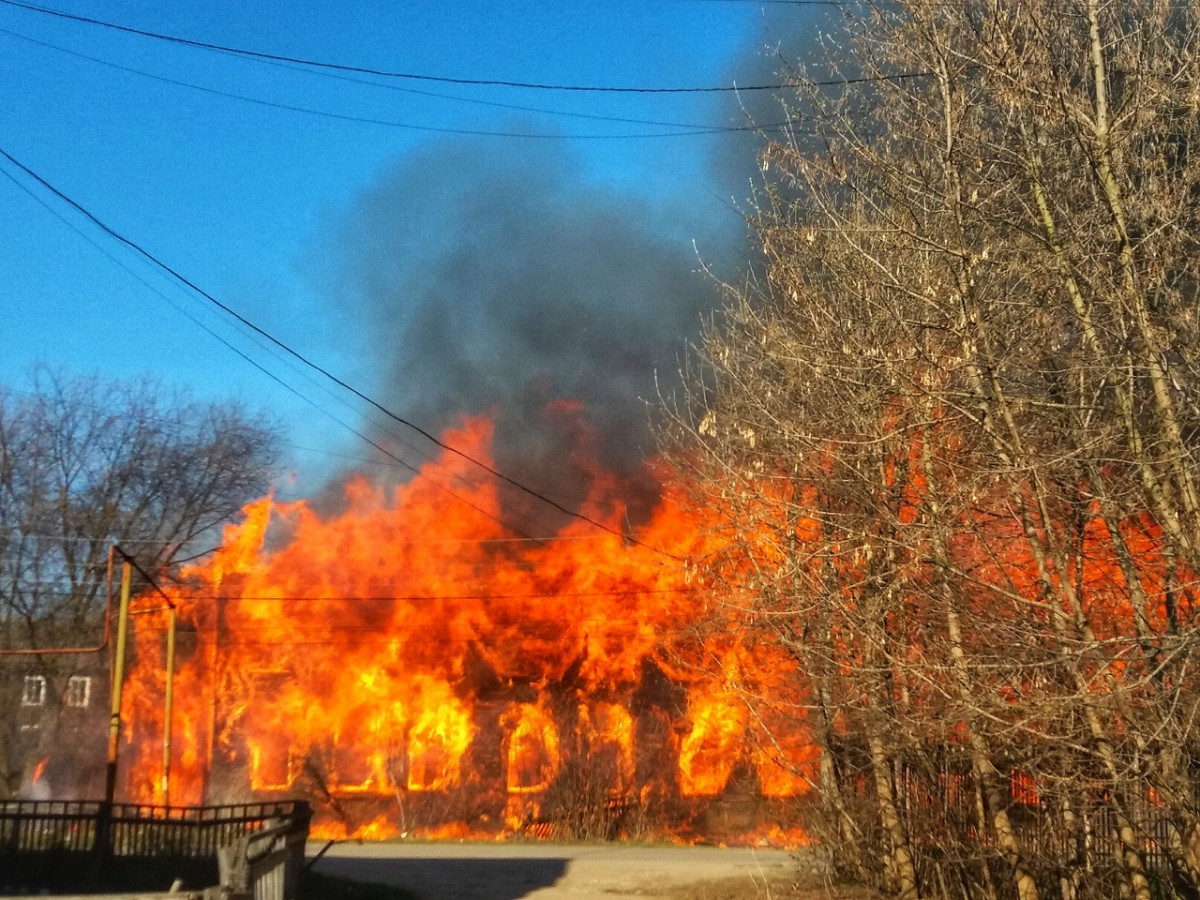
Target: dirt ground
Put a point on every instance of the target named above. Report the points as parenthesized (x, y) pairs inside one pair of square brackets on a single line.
[(480, 871)]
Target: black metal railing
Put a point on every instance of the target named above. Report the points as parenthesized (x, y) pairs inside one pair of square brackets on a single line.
[(81, 844)]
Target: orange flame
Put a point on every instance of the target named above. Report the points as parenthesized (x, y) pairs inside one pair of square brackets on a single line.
[(412, 650)]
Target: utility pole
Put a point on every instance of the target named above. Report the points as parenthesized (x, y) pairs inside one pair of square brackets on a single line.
[(169, 699), (114, 725), (104, 838), (168, 705)]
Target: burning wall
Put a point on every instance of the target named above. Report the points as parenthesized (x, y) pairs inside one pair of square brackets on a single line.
[(411, 657)]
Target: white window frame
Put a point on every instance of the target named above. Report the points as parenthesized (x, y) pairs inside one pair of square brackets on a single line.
[(33, 691), (79, 691)]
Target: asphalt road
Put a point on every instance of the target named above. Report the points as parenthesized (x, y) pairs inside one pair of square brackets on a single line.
[(484, 871)]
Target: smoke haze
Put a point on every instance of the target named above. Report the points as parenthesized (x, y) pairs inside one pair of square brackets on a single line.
[(496, 282), (499, 286)]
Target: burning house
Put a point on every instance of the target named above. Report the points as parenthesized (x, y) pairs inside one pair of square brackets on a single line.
[(414, 665)]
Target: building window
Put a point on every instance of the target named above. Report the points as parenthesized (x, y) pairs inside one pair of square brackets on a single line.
[(79, 691), (34, 692)]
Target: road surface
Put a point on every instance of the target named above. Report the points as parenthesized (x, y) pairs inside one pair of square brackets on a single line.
[(486, 871)]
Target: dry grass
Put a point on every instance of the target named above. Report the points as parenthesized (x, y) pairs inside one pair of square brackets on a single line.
[(778, 888)]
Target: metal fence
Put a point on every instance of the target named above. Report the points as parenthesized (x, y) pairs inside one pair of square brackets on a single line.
[(248, 849)]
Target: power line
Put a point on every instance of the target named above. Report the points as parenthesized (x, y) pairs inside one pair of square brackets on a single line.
[(149, 580), (399, 462), (429, 598), (186, 592), (183, 312), (375, 404), (441, 79), (286, 633), (396, 461), (685, 129), (392, 461), (226, 343), (101, 539), (383, 73), (416, 542), (692, 127), (233, 642)]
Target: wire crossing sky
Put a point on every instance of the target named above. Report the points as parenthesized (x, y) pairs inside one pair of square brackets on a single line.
[(444, 241)]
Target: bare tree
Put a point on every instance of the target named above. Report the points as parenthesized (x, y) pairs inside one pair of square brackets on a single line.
[(84, 464), (967, 395)]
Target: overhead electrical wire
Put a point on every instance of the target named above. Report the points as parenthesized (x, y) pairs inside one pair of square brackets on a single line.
[(429, 598), (392, 461), (344, 385), (256, 334), (383, 73), (342, 68), (351, 79), (203, 327), (397, 460), (194, 591), (46, 587), (516, 107), (77, 539), (445, 79), (227, 641), (408, 542), (683, 129)]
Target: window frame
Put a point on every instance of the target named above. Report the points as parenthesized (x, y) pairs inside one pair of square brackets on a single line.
[(72, 692), (33, 691)]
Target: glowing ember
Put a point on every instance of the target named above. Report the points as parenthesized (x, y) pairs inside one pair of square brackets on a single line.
[(414, 654)]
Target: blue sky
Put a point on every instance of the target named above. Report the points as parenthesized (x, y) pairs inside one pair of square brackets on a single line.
[(264, 184)]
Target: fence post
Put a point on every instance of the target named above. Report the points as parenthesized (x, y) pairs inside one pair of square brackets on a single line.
[(102, 849), (296, 839)]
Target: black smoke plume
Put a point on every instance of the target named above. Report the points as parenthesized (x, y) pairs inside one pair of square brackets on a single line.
[(499, 286), (493, 281)]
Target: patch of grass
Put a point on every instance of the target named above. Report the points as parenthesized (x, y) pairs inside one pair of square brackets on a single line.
[(318, 886)]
